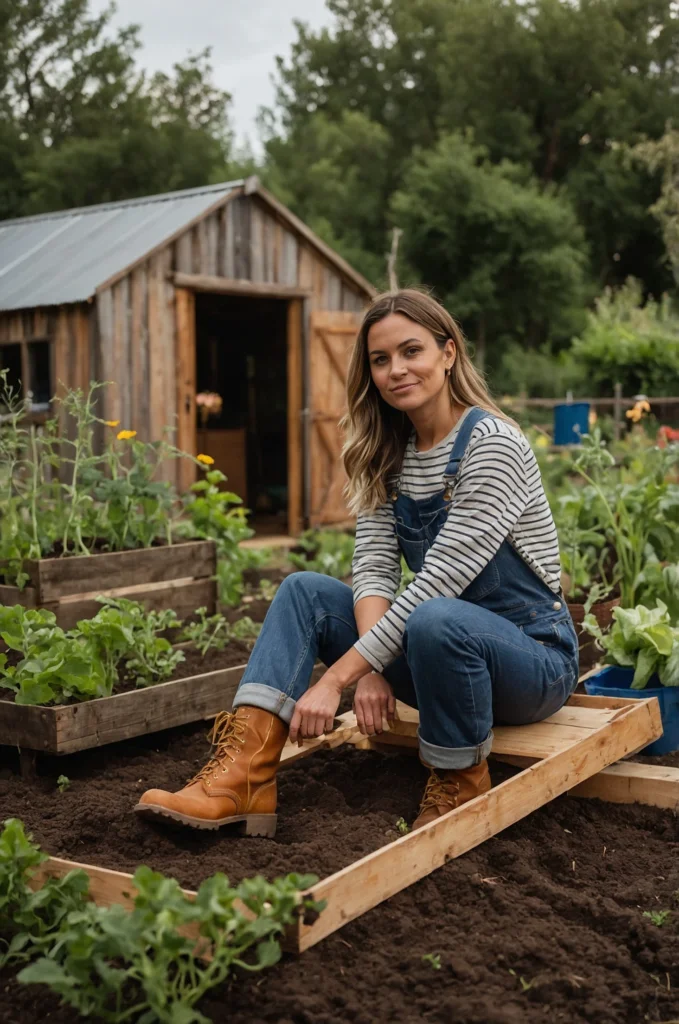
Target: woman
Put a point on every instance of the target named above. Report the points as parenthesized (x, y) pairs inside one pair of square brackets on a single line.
[(482, 634)]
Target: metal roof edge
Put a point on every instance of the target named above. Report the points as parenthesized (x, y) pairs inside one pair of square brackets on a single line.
[(118, 204)]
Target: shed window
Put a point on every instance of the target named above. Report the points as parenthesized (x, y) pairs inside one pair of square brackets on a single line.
[(29, 372)]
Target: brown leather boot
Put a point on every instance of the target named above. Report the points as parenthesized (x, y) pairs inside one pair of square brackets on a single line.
[(237, 785), (448, 788)]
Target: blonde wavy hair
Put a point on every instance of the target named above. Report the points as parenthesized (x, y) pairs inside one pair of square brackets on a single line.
[(376, 434)]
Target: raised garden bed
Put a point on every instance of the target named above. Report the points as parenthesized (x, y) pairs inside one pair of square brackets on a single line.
[(67, 728), (179, 576)]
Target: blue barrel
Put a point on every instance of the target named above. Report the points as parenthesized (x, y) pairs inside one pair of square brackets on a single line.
[(571, 421)]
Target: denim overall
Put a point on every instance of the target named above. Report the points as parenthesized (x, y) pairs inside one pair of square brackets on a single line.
[(465, 662), (506, 586)]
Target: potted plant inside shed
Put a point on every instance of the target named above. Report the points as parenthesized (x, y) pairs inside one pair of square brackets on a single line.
[(641, 659)]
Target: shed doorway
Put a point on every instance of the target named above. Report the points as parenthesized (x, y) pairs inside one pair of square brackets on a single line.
[(242, 353)]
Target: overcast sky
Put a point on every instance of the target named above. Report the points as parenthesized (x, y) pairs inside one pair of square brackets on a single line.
[(245, 36)]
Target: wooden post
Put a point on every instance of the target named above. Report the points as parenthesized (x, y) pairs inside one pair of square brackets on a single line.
[(295, 403), (392, 259), (617, 411), (186, 384)]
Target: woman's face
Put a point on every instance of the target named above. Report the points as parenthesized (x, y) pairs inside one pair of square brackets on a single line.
[(406, 363)]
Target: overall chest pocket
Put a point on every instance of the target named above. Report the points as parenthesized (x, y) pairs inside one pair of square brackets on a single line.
[(413, 546), (485, 583)]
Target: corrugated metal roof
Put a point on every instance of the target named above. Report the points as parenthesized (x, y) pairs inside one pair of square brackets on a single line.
[(63, 257)]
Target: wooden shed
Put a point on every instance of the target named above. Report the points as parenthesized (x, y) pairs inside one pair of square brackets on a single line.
[(211, 289)]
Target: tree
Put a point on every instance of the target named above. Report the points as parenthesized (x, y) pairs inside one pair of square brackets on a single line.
[(663, 155), (335, 175), (80, 123), (508, 258), (559, 87)]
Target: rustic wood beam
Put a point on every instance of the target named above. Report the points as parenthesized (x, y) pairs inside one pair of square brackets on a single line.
[(233, 286)]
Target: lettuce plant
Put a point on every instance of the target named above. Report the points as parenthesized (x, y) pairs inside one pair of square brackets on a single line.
[(150, 965), (643, 639)]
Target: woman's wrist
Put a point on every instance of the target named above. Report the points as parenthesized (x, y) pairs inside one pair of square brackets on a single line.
[(351, 667)]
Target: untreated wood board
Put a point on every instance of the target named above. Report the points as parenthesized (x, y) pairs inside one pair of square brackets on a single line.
[(363, 885), (632, 783), (55, 578)]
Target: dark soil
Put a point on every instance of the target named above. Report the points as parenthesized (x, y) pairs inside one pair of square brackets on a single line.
[(557, 900)]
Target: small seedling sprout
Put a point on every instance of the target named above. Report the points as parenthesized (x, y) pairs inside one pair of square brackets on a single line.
[(63, 782), (433, 959)]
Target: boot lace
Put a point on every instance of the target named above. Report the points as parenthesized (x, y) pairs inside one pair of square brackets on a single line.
[(227, 738), (439, 792)]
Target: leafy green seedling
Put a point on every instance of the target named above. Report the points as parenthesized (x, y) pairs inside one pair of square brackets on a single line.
[(657, 917), (63, 782), (433, 959), (526, 986), (402, 827), (211, 631)]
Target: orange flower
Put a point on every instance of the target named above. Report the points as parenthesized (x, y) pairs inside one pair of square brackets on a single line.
[(126, 435), (207, 460)]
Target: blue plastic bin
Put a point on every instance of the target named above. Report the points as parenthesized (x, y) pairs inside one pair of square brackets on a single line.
[(571, 421), (615, 682)]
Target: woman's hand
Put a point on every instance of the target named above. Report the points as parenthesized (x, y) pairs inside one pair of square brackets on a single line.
[(373, 702), (315, 710)]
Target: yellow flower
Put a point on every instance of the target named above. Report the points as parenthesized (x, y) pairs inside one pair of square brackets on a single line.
[(542, 441), (112, 423), (126, 435), (207, 460), (641, 406)]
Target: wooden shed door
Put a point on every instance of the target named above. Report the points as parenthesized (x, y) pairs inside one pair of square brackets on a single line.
[(331, 339)]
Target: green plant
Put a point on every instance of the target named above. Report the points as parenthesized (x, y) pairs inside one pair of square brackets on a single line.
[(327, 551), (63, 782), (150, 657), (659, 582), (632, 503), (268, 589), (153, 963), (631, 342), (402, 827), (433, 959), (209, 632), (54, 666), (526, 986), (85, 662), (217, 514), (643, 639), (657, 917), (245, 629), (30, 920)]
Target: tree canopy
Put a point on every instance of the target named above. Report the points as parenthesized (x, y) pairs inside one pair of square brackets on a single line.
[(81, 123)]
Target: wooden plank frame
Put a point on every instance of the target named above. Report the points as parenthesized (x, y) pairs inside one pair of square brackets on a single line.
[(68, 728), (601, 736), (179, 576)]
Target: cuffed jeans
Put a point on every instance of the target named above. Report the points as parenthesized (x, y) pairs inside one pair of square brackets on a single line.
[(463, 667)]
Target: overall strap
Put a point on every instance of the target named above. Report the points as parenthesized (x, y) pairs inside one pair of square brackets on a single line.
[(473, 417)]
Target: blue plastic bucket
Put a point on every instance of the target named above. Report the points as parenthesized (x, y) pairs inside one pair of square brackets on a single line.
[(615, 682), (571, 421)]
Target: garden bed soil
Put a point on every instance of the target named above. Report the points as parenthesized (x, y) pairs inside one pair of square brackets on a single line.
[(556, 900)]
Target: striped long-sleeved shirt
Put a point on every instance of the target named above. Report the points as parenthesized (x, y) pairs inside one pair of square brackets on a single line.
[(498, 495)]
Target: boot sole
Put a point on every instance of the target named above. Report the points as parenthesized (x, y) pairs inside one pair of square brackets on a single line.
[(249, 824)]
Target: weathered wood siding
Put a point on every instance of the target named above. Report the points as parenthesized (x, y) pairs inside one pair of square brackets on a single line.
[(136, 317), (71, 332)]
